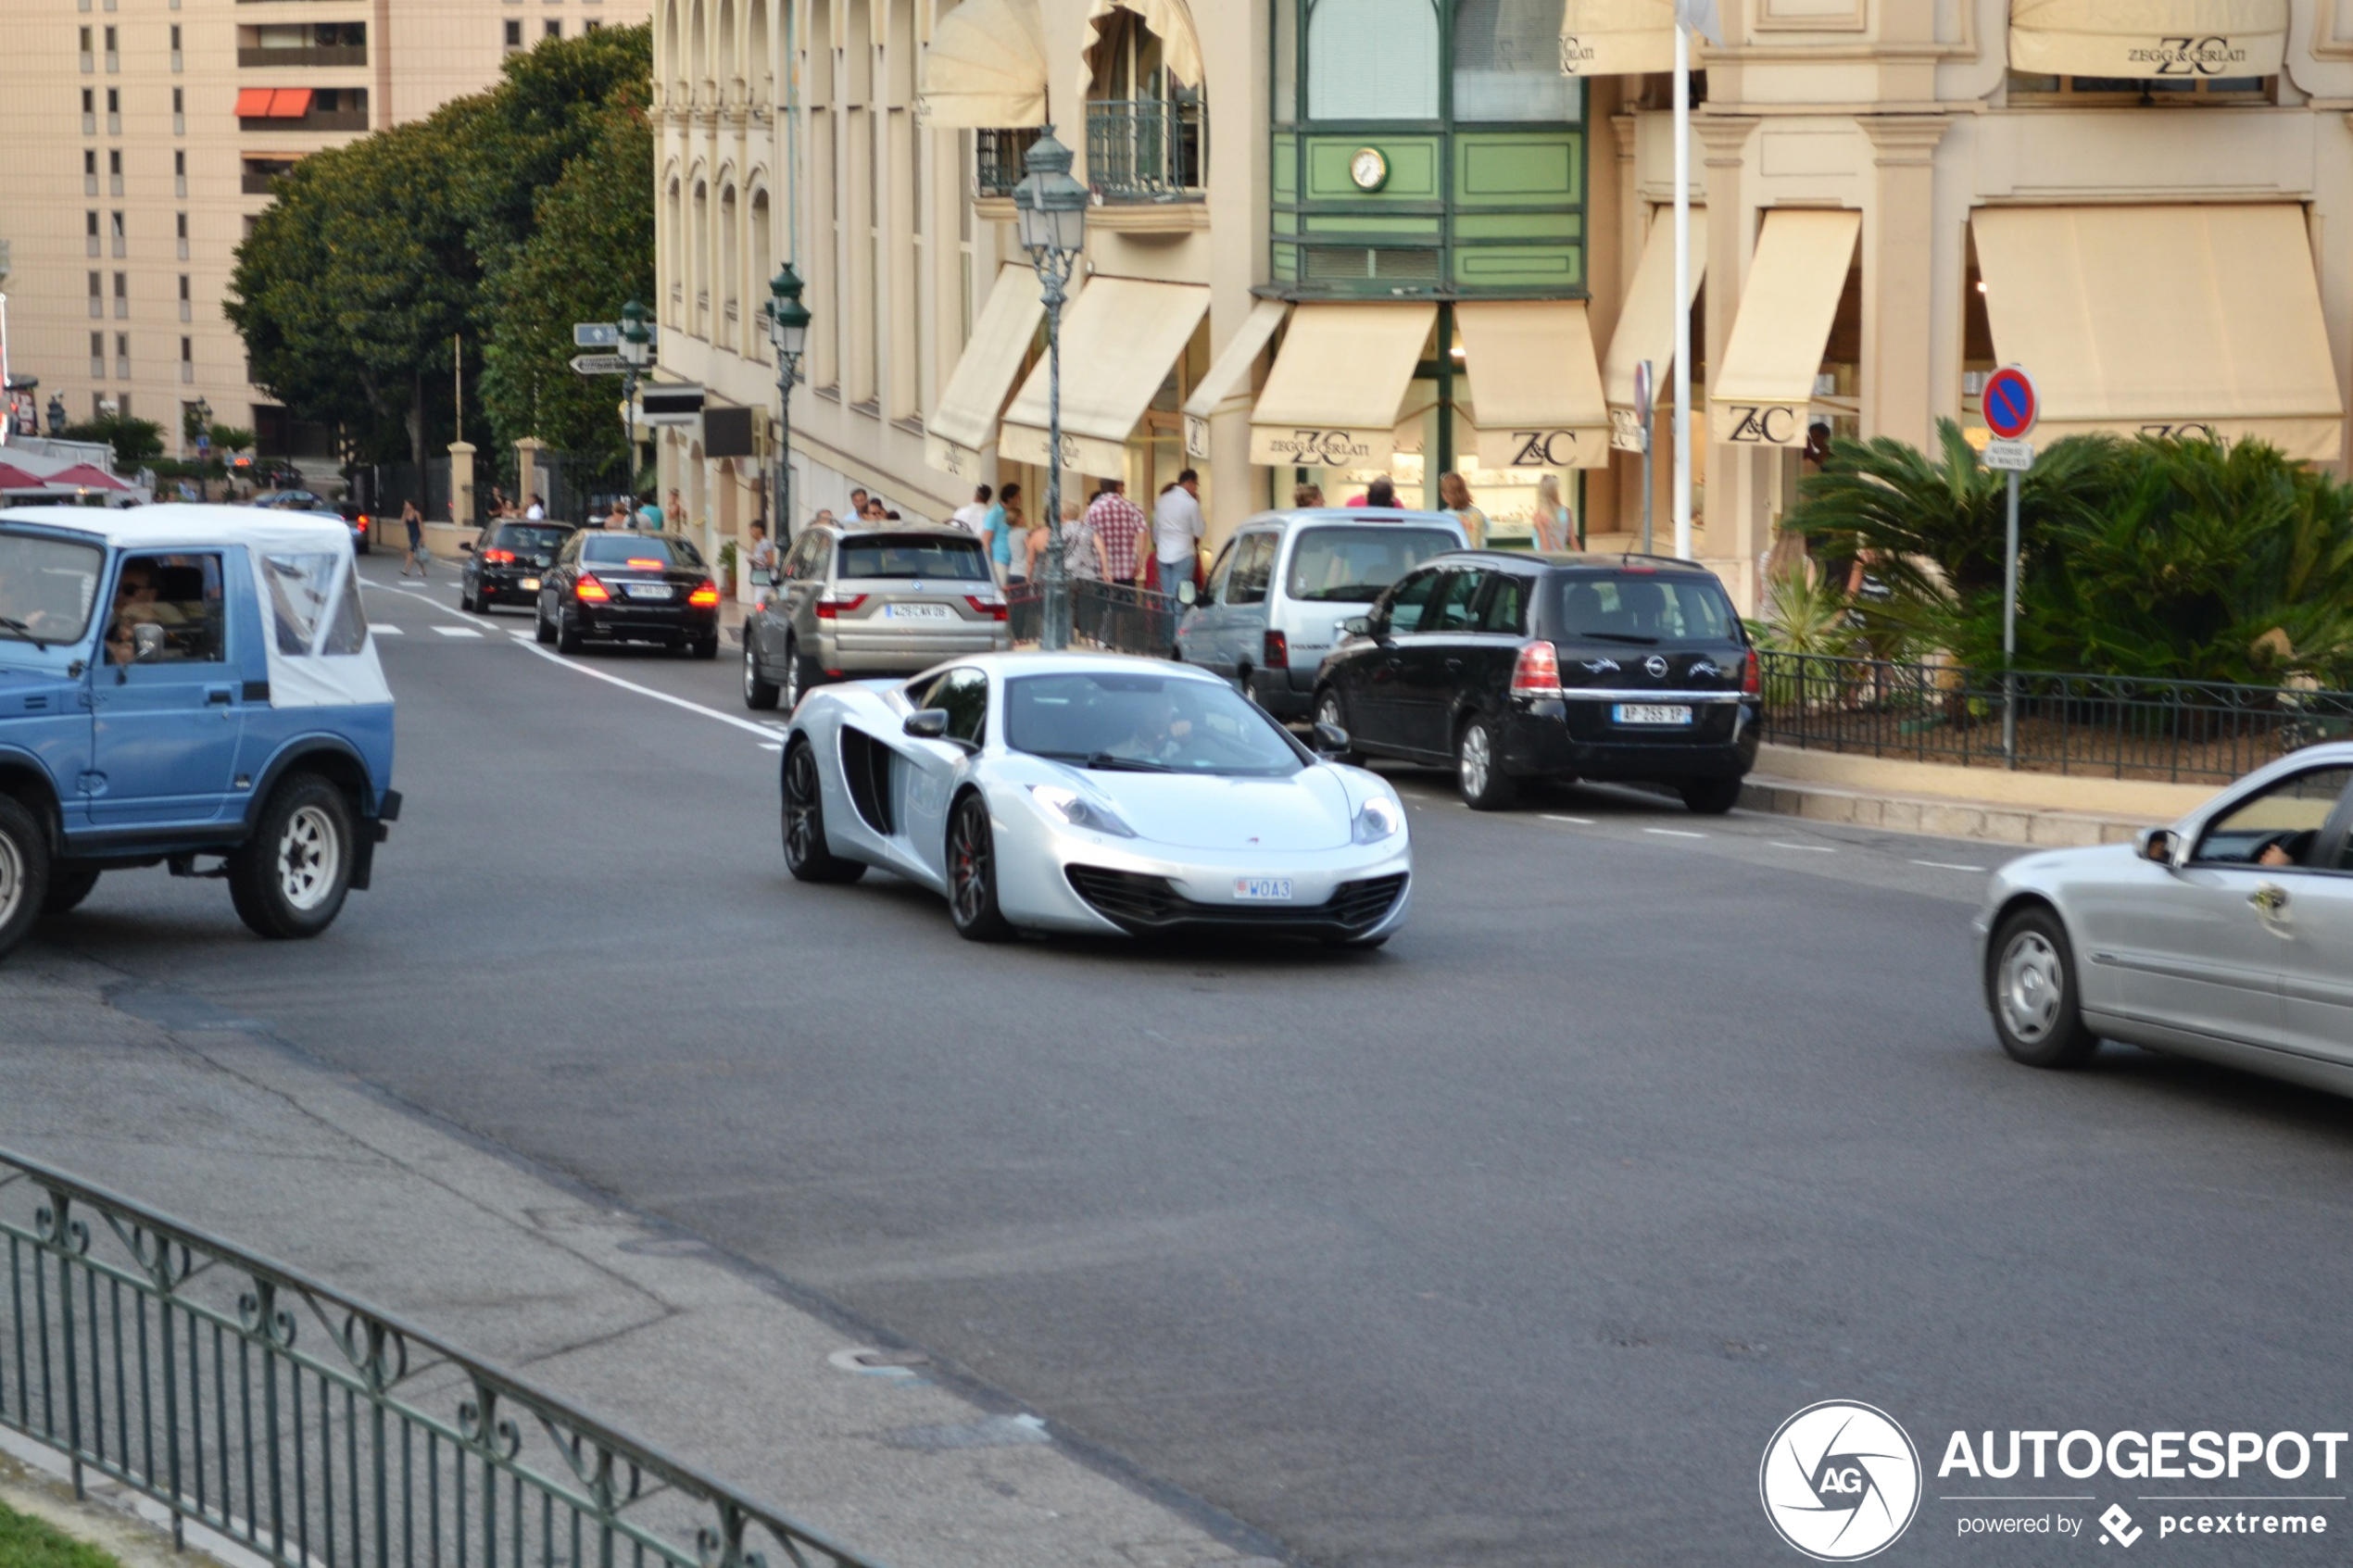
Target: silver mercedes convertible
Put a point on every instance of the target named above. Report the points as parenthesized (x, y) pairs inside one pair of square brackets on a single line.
[(2228, 935), (1093, 793)]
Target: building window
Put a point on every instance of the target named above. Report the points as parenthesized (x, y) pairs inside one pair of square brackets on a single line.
[(187, 359), (114, 172), (122, 295), (186, 304), (97, 297), (179, 112), (89, 171), (180, 173), (2125, 92), (118, 233), (180, 231), (591, 25), (89, 55), (114, 51), (123, 356), (514, 33), (554, 27), (1508, 63), (90, 230), (1373, 59), (114, 111), (89, 112), (97, 357)]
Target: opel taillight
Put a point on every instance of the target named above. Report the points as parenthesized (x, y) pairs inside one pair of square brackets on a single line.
[(993, 608), (1537, 671), (1275, 651), (829, 606), (705, 597), (1752, 679), (588, 591)]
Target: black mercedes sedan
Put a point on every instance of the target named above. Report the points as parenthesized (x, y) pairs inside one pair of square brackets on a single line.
[(1511, 666), (505, 564), (621, 585)]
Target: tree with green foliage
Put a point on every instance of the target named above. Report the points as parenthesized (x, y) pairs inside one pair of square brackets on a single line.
[(136, 443)]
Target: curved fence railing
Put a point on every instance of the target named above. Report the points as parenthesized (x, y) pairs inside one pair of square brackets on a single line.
[(2121, 727), (184, 1368), (1108, 616)]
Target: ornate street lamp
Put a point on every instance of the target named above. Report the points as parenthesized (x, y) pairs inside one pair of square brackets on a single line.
[(637, 349), (1050, 208), (788, 332)]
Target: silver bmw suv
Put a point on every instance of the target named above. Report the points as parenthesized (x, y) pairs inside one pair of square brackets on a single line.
[(853, 602)]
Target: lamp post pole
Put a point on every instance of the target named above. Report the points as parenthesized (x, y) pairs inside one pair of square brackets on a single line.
[(203, 410), (635, 344), (788, 333), (1050, 209)]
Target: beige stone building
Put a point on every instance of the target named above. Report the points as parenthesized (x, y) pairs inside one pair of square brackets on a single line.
[(141, 136), (1335, 238)]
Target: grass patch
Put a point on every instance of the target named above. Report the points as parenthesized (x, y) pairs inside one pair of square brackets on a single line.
[(27, 1542)]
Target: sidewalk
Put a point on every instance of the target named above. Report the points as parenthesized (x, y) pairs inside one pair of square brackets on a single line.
[(166, 1098)]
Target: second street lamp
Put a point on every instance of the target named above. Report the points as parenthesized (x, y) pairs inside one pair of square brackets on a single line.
[(636, 350), (788, 333), (1050, 209)]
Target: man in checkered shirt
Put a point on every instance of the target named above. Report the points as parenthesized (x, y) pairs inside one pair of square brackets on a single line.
[(1119, 525)]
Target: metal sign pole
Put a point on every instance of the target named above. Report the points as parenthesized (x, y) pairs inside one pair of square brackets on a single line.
[(1646, 415), (2009, 630)]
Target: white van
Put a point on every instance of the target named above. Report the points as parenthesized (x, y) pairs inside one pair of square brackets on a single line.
[(1285, 582)]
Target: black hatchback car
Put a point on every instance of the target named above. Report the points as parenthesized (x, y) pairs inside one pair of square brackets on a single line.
[(621, 585), (1510, 666), (506, 563)]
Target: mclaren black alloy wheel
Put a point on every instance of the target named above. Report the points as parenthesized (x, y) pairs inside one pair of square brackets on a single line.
[(972, 874), (807, 855)]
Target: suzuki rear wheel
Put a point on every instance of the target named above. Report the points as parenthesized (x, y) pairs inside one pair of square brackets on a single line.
[(289, 880), (24, 871), (972, 874), (807, 855)]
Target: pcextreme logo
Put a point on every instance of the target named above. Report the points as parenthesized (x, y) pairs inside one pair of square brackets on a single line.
[(1840, 1481)]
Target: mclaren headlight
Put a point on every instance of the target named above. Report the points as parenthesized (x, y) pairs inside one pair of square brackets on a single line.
[(1378, 819), (1069, 806)]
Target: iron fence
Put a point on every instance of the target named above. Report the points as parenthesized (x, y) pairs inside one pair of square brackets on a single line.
[(997, 158), (1145, 149), (176, 1365), (1113, 617), (2190, 731)]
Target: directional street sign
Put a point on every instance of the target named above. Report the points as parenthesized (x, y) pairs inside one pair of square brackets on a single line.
[(2010, 402), (2016, 455), (598, 364), (606, 334)]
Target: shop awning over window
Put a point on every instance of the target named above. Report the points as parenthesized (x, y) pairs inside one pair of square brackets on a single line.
[(2165, 320), (1535, 384), (1331, 401), (1228, 380), (985, 67), (1759, 396), (1179, 49), (1646, 323), (253, 103), (289, 103), (1617, 37), (2172, 40), (1119, 343), (956, 433)]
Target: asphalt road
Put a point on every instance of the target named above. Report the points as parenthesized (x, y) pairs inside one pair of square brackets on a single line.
[(1509, 1244)]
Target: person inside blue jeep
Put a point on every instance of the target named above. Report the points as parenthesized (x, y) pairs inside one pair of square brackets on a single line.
[(172, 592)]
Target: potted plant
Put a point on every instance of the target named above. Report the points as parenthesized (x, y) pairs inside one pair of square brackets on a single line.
[(727, 568)]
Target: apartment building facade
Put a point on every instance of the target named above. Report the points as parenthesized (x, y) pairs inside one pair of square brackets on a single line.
[(143, 136), (1334, 239)]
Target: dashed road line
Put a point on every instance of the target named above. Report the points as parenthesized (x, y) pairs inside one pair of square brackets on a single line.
[(1947, 865), (1674, 833), (466, 632), (382, 631), (1581, 821), (1803, 848)]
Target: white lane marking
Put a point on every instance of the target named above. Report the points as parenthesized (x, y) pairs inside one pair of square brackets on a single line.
[(772, 745), (1674, 833), (763, 731), (1581, 821), (1803, 848), (458, 631), (382, 631), (1948, 866)]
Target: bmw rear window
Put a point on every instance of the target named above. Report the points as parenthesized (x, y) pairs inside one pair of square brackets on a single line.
[(1643, 607), (920, 556), (620, 547)]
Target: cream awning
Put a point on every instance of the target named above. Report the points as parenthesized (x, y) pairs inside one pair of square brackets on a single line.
[(1180, 48), (1617, 37), (1759, 396), (1119, 342), (1332, 399), (964, 425), (2165, 319), (2166, 39), (1534, 382), (1646, 322), (985, 67), (1228, 380)]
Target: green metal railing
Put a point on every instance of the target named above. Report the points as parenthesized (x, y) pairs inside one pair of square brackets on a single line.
[(1146, 149), (174, 1363)]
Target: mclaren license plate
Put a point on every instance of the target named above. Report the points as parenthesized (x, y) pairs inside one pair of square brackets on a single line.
[(1651, 713), (918, 612), (1261, 889)]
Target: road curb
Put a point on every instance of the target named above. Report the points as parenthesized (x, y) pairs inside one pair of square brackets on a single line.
[(2027, 826)]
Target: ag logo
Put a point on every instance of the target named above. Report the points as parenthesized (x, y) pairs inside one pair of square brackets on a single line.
[(1840, 1481)]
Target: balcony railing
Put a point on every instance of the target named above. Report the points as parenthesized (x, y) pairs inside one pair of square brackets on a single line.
[(304, 54), (997, 157), (1145, 150)]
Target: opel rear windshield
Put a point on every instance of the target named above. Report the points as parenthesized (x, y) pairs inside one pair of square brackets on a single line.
[(1642, 609), (921, 556), (644, 552), (1351, 564)]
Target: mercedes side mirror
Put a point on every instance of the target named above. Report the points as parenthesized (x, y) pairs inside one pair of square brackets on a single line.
[(1330, 740), (147, 643), (1187, 594), (926, 724), (2160, 846)]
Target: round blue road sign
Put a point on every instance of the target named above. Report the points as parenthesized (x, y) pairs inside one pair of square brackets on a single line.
[(2010, 402)]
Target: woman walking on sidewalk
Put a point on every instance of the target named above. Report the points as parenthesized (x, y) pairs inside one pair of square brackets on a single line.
[(414, 522)]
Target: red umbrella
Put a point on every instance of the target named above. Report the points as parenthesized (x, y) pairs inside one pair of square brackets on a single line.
[(15, 478), (87, 476)]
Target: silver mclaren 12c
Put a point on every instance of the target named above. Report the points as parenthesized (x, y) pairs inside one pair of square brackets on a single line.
[(1093, 793)]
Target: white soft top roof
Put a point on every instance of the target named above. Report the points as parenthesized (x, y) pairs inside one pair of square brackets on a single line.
[(186, 523)]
